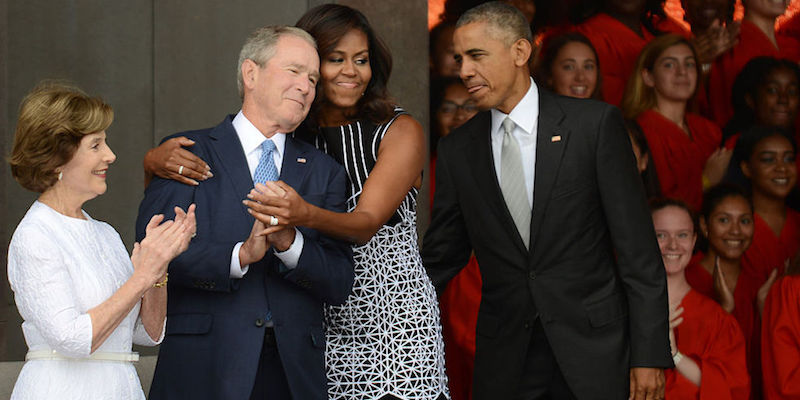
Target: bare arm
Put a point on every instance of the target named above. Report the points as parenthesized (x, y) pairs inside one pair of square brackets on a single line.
[(399, 165), (150, 258)]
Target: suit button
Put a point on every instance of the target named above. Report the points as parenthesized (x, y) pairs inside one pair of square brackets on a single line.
[(527, 325), (532, 275), (259, 322)]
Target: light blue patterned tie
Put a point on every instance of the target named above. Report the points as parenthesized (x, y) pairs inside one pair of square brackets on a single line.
[(266, 171)]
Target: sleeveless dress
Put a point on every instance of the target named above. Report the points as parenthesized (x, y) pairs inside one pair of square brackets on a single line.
[(385, 342)]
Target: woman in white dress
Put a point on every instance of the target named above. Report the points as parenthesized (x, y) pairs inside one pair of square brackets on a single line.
[(83, 300)]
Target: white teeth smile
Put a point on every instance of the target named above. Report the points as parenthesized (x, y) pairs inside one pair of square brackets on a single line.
[(733, 243), (781, 181), (672, 256), (348, 85), (100, 172), (578, 89)]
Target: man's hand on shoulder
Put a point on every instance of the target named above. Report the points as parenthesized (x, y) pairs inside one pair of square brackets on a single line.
[(647, 384)]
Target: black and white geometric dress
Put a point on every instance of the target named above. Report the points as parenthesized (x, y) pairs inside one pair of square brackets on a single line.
[(385, 342)]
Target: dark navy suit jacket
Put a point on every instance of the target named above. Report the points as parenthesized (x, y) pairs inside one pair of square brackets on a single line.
[(215, 326)]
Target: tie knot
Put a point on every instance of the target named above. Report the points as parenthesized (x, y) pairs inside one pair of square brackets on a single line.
[(508, 125), (267, 146)]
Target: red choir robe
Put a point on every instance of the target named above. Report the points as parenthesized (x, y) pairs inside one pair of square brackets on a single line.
[(618, 47), (780, 347), (459, 304), (679, 160), (752, 43), (767, 251), (745, 311), (712, 338)]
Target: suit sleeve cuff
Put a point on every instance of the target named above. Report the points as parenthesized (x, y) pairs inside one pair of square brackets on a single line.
[(238, 271), (291, 256)]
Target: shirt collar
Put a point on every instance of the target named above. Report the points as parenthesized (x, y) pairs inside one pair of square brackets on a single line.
[(251, 138), (525, 114)]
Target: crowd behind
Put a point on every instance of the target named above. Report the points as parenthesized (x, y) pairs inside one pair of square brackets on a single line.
[(712, 116)]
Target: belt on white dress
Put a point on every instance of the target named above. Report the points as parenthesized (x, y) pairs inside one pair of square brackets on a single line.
[(96, 356)]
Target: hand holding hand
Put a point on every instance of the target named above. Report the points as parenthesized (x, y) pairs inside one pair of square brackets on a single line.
[(256, 245), (171, 161), (646, 384), (281, 201), (723, 293)]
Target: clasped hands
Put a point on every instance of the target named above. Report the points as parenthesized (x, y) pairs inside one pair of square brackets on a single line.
[(277, 209)]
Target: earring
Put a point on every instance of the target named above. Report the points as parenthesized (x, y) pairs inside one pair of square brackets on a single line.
[(60, 175)]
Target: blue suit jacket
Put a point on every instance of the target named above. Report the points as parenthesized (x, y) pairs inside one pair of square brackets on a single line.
[(214, 328)]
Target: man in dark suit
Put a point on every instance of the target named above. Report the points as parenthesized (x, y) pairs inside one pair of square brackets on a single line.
[(245, 310), (544, 190)]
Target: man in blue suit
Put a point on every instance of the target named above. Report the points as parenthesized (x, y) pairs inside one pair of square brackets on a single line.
[(245, 311)]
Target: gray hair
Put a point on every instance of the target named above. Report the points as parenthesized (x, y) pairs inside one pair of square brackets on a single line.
[(260, 47), (505, 22)]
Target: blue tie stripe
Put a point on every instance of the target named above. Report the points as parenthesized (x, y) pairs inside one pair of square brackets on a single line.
[(266, 170)]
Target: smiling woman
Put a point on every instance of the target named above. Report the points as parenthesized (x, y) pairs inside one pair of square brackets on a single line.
[(683, 145), (708, 348), (82, 299)]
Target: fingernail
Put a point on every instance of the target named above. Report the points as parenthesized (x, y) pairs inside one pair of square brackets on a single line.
[(208, 167), (195, 183), (209, 174), (250, 195)]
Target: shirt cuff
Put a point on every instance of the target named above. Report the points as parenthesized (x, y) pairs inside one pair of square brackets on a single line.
[(237, 271), (291, 256)]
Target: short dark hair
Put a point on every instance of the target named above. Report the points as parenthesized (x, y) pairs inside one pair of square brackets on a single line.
[(751, 136), (53, 118), (328, 23)]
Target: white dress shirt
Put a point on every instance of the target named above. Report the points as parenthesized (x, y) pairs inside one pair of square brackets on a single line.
[(526, 120), (251, 139)]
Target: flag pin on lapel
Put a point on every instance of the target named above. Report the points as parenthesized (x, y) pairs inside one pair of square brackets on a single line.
[(555, 138), (301, 160)]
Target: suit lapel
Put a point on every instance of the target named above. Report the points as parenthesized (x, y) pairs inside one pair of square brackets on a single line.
[(482, 162), (232, 164), (294, 171), (551, 140)]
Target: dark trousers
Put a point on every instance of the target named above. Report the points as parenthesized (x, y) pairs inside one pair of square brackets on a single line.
[(271, 380), (542, 378)]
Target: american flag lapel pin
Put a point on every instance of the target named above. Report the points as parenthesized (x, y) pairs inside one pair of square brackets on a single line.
[(301, 160), (555, 138)]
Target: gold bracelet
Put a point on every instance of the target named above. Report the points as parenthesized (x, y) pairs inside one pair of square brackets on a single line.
[(162, 283), (706, 182)]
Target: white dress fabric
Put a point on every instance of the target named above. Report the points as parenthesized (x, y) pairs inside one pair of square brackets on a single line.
[(60, 267), (385, 342)]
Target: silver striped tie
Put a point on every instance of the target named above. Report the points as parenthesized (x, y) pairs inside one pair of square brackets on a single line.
[(512, 182)]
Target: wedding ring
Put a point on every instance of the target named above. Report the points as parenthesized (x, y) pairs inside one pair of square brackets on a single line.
[(273, 220), (180, 170), (194, 234)]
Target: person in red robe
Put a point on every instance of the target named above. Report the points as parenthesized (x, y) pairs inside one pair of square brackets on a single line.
[(727, 224), (619, 30), (708, 347), (683, 146), (757, 38), (768, 161), (780, 347), (766, 92)]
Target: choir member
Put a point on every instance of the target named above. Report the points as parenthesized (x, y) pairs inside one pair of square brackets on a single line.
[(568, 65), (767, 157), (708, 347), (780, 345), (757, 38), (683, 145), (619, 29)]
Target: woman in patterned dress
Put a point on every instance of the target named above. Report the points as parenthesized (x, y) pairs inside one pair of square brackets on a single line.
[(385, 342)]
